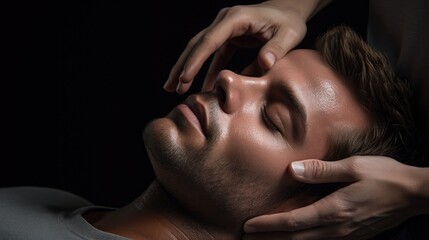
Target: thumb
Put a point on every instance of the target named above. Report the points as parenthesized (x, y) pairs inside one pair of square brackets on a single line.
[(277, 47), (319, 171)]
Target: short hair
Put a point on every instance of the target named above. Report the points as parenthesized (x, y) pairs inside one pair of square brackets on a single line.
[(385, 98)]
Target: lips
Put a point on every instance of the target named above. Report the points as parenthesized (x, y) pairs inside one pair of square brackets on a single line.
[(198, 109)]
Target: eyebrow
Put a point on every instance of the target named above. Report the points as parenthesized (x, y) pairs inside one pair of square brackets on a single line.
[(299, 115)]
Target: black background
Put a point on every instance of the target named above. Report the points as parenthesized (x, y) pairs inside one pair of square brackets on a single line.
[(88, 75)]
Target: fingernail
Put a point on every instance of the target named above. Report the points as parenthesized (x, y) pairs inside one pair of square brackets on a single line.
[(271, 58), (298, 168), (167, 82), (179, 85), (181, 75), (248, 228)]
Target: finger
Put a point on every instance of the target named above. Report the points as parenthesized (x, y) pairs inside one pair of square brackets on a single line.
[(220, 60), (173, 78), (252, 69), (172, 82), (287, 221), (213, 37), (323, 212), (278, 46), (319, 171), (183, 87), (216, 35)]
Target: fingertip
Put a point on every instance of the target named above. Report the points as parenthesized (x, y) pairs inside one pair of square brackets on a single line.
[(303, 170), (179, 88), (167, 89), (208, 84), (184, 83), (182, 87), (270, 59), (297, 168), (167, 86), (266, 60), (256, 224), (181, 76), (249, 228)]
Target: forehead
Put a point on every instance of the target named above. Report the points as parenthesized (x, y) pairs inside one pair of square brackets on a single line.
[(305, 71), (307, 63)]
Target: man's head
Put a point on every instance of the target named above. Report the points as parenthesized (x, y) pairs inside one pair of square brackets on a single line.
[(225, 153)]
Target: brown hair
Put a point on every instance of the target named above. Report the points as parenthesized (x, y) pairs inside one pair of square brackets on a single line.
[(384, 97)]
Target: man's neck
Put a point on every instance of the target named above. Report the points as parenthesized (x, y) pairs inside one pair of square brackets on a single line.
[(156, 215)]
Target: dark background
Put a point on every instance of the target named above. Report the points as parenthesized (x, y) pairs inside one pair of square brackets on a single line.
[(88, 75)]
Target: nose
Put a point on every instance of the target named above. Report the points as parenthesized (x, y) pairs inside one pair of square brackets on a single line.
[(234, 90)]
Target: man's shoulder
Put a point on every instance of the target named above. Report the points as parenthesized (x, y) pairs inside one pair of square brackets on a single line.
[(36, 212), (34, 195)]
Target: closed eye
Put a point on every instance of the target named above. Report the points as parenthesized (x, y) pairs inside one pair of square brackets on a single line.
[(268, 122)]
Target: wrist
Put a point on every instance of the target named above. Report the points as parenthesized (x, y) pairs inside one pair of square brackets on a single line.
[(421, 192), (305, 8)]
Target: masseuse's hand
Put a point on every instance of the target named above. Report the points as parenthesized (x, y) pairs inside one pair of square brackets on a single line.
[(278, 25), (381, 194)]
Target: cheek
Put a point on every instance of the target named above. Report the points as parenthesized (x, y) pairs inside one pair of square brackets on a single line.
[(317, 144), (255, 152)]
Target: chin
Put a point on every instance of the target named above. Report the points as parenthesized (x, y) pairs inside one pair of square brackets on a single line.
[(165, 148), (160, 138), (175, 160), (167, 157)]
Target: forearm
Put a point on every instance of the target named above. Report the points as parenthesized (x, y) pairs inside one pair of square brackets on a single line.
[(306, 8)]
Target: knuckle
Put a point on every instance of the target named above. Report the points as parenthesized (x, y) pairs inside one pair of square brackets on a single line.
[(340, 222), (274, 46), (355, 166), (296, 32), (316, 169), (294, 36), (224, 11), (236, 10), (341, 216), (193, 41), (209, 38)]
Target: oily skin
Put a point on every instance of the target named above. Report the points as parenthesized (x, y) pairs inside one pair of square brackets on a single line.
[(216, 170)]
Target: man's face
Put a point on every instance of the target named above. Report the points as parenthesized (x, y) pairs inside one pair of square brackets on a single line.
[(230, 148)]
